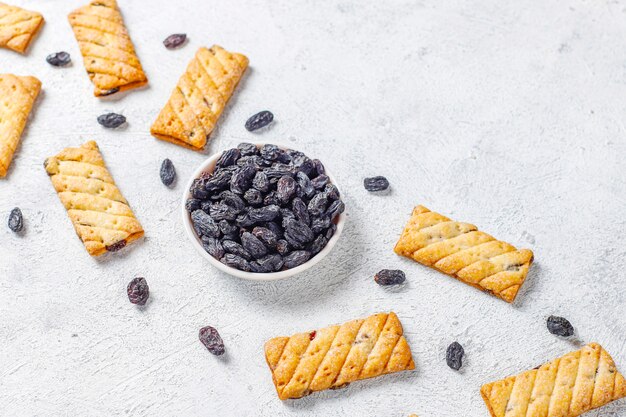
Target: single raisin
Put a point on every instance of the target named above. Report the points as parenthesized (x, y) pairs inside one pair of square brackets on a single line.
[(335, 209), (265, 235), (228, 158), (235, 248), (320, 181), (305, 187), (253, 245), (212, 340), (192, 204), (111, 120), (223, 212), (298, 232), (454, 356), (269, 263), (285, 188), (248, 149), (319, 167), (331, 231), (204, 224), (259, 215), (259, 120), (318, 244), (242, 179), (16, 220), (318, 224), (298, 207), (282, 247), (389, 277), (296, 258), (560, 326), (227, 228), (168, 172), (261, 182), (120, 244), (231, 199), (59, 59), (253, 197), (213, 247), (331, 192), (174, 41), (270, 152), (138, 291), (197, 189), (317, 205), (376, 183), (235, 261)]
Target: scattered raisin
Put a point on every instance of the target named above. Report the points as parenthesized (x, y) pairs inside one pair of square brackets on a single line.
[(58, 59), (138, 291), (376, 183), (389, 277), (168, 172), (16, 220), (454, 356), (175, 40), (259, 120), (560, 326), (111, 120), (212, 340)]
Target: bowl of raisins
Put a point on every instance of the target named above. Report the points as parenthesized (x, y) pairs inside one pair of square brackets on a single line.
[(262, 211)]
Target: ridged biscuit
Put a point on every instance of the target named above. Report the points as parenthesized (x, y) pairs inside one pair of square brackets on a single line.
[(200, 97), (100, 214), (334, 356), (108, 53), (17, 96), (566, 387), (18, 27), (462, 251)]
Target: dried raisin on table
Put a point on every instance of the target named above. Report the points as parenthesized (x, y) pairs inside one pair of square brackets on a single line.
[(454, 356), (204, 224), (16, 220), (111, 120), (560, 326), (175, 40), (390, 277), (138, 291), (212, 340), (59, 59), (167, 172), (259, 120), (378, 183), (296, 258)]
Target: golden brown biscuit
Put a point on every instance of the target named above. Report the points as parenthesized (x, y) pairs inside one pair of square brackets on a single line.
[(108, 53), (462, 251), (17, 96), (334, 356), (99, 212), (566, 387), (18, 27), (200, 97)]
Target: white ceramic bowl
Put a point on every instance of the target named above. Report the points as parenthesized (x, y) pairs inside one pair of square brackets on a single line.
[(209, 166)]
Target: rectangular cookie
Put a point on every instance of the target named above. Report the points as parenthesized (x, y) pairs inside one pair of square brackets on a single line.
[(100, 214), (17, 96), (108, 53), (334, 356), (462, 251), (566, 387), (200, 97), (18, 27)]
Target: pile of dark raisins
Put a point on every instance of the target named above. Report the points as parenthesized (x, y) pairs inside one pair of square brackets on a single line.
[(264, 209)]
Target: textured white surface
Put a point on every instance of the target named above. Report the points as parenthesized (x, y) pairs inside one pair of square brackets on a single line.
[(509, 115)]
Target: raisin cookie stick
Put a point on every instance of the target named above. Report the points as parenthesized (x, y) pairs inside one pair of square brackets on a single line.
[(566, 387), (17, 96), (108, 53), (100, 214), (464, 252), (18, 27), (334, 356), (199, 98)]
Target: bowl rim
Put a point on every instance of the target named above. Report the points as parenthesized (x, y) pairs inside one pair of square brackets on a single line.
[(208, 165)]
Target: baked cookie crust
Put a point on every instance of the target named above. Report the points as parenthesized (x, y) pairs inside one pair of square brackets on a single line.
[(568, 386), (18, 97), (335, 356), (18, 27), (108, 52), (101, 215), (464, 252), (200, 97)]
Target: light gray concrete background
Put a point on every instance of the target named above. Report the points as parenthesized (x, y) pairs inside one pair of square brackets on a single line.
[(509, 115)]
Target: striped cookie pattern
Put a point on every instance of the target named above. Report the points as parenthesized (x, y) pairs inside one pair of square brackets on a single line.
[(568, 386), (335, 356), (200, 97), (17, 97), (18, 27), (462, 251), (100, 214), (108, 53)]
